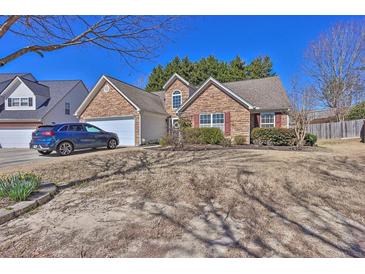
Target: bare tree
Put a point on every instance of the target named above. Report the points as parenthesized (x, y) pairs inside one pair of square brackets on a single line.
[(335, 64), (302, 101), (133, 37)]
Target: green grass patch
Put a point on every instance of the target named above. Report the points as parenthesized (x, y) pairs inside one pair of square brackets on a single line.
[(18, 187)]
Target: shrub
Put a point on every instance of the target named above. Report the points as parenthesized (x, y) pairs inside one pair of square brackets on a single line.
[(239, 140), (273, 136), (310, 139), (167, 140), (18, 187), (184, 123), (212, 136), (356, 112), (226, 142), (192, 135)]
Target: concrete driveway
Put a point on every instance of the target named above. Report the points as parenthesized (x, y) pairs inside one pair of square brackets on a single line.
[(11, 159), (17, 156)]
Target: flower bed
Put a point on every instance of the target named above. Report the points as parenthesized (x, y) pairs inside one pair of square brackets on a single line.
[(17, 187)]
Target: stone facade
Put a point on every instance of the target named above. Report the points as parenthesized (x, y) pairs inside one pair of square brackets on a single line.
[(185, 92), (109, 104), (213, 100)]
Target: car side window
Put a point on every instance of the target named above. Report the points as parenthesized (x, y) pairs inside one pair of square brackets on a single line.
[(64, 128), (75, 128), (92, 129)]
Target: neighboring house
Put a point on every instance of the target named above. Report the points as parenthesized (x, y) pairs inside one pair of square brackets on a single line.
[(328, 115), (140, 117), (26, 103)]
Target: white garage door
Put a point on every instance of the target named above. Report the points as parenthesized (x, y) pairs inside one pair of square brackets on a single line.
[(123, 127), (15, 138)]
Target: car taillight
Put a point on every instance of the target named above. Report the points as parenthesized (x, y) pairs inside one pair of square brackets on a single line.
[(47, 133)]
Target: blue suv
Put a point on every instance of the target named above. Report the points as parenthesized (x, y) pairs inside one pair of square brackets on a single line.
[(65, 138)]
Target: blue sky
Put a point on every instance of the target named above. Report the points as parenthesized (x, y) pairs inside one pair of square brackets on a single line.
[(283, 38)]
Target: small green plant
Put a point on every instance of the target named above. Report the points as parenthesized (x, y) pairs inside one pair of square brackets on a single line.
[(239, 140), (310, 139), (227, 142), (166, 140), (18, 187)]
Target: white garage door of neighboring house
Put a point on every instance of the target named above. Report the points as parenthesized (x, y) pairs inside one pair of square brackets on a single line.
[(123, 127), (15, 138)]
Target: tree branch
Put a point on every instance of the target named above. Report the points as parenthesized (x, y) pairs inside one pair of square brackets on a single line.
[(7, 24)]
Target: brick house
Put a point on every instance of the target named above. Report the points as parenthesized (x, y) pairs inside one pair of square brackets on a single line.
[(139, 117)]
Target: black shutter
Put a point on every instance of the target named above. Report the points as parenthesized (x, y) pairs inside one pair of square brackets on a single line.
[(30, 101), (9, 102)]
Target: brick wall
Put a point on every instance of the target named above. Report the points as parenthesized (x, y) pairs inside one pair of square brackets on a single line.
[(214, 100), (176, 85), (110, 104), (12, 125)]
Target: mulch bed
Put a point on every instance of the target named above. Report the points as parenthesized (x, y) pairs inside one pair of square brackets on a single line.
[(250, 146)]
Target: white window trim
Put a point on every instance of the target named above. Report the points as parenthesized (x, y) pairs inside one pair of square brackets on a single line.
[(172, 99), (19, 101), (211, 119), (173, 121), (267, 123)]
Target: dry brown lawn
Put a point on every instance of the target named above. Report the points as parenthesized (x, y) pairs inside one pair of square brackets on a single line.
[(214, 203)]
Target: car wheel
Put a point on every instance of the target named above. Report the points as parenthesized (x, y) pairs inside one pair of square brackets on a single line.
[(45, 152), (112, 143), (65, 148)]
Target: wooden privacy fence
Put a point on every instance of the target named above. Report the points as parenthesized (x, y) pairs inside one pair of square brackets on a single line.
[(342, 129)]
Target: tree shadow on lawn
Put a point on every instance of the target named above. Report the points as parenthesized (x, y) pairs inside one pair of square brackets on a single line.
[(352, 249), (109, 167), (319, 230)]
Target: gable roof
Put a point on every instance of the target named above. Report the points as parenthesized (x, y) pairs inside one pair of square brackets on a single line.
[(265, 93), (224, 88), (262, 94), (140, 99), (10, 76), (36, 87), (57, 90), (172, 79)]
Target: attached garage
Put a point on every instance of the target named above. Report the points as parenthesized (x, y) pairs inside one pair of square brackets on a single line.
[(138, 117), (15, 138), (124, 127)]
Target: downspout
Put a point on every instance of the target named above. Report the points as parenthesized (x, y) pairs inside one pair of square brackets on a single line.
[(140, 128)]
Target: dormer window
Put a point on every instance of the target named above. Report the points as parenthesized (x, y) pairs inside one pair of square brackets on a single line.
[(176, 99), (23, 102)]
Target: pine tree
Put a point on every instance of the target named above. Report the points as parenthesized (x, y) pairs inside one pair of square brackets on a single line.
[(156, 80), (198, 72), (260, 67), (237, 69)]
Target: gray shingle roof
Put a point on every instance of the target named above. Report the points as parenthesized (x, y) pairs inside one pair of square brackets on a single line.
[(10, 76), (142, 99), (266, 93), (36, 87), (57, 90)]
